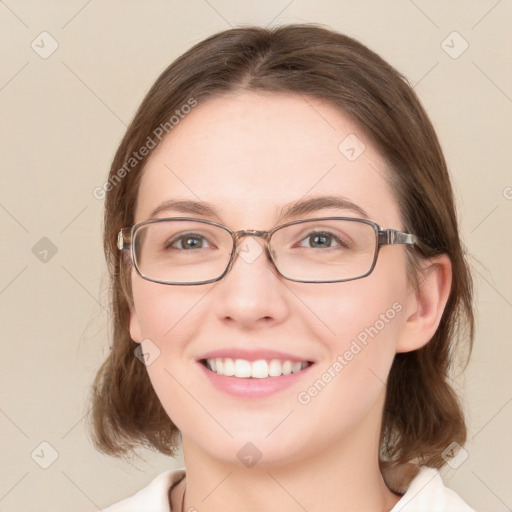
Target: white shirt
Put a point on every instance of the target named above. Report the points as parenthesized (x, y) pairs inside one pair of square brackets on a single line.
[(426, 493)]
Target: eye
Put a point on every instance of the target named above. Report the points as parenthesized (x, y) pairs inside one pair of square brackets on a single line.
[(188, 241), (321, 240)]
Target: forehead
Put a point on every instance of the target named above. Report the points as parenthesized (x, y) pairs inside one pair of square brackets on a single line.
[(249, 155)]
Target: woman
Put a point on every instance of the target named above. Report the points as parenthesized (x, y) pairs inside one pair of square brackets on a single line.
[(288, 283)]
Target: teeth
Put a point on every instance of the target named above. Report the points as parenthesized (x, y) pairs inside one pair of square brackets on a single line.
[(242, 368), (296, 367), (287, 368), (260, 369), (274, 368), (229, 368)]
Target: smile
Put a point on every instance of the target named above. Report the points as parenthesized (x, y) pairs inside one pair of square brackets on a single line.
[(259, 369)]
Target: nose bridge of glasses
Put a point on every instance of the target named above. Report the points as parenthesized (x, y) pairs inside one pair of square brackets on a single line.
[(239, 235)]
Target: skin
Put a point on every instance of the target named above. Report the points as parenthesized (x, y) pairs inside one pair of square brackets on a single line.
[(249, 155)]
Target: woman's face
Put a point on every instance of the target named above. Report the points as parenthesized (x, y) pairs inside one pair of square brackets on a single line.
[(249, 156)]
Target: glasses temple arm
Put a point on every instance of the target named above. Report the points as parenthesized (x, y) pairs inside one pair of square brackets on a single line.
[(394, 237), (124, 239)]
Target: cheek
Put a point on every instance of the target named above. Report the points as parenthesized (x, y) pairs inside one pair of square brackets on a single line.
[(362, 324), (349, 386), (362, 310), (163, 313), (169, 318)]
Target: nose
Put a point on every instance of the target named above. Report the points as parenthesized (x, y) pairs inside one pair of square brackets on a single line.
[(252, 294)]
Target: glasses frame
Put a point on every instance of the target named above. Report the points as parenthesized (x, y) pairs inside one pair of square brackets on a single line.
[(383, 237)]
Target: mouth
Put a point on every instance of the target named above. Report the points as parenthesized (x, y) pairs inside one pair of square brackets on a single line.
[(259, 369)]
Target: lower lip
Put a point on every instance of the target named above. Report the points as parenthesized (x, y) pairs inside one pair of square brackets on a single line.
[(253, 388)]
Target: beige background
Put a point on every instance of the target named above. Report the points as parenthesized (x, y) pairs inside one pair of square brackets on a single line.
[(61, 120)]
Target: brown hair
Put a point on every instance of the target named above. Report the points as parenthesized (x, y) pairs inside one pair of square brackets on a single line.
[(422, 415)]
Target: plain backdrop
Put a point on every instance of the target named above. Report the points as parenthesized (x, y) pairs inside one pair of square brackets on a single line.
[(73, 72)]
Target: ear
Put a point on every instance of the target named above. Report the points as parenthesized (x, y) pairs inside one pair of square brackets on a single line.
[(425, 304), (135, 330)]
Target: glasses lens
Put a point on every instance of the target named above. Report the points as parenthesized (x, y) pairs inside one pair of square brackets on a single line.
[(324, 250), (181, 252)]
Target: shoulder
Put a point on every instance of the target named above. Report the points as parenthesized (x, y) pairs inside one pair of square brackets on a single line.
[(427, 493), (153, 498)]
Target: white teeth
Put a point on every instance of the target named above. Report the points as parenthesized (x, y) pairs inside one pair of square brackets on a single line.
[(287, 368), (260, 369), (274, 368), (296, 367), (242, 368), (229, 367)]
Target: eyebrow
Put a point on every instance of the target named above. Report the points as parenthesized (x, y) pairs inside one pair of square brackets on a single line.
[(313, 204), (294, 209), (185, 206)]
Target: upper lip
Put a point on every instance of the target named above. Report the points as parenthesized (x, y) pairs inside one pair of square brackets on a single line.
[(252, 355)]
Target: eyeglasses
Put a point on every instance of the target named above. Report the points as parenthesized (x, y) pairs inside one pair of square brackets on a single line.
[(187, 251)]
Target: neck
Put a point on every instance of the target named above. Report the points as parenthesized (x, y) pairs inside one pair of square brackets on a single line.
[(344, 476)]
